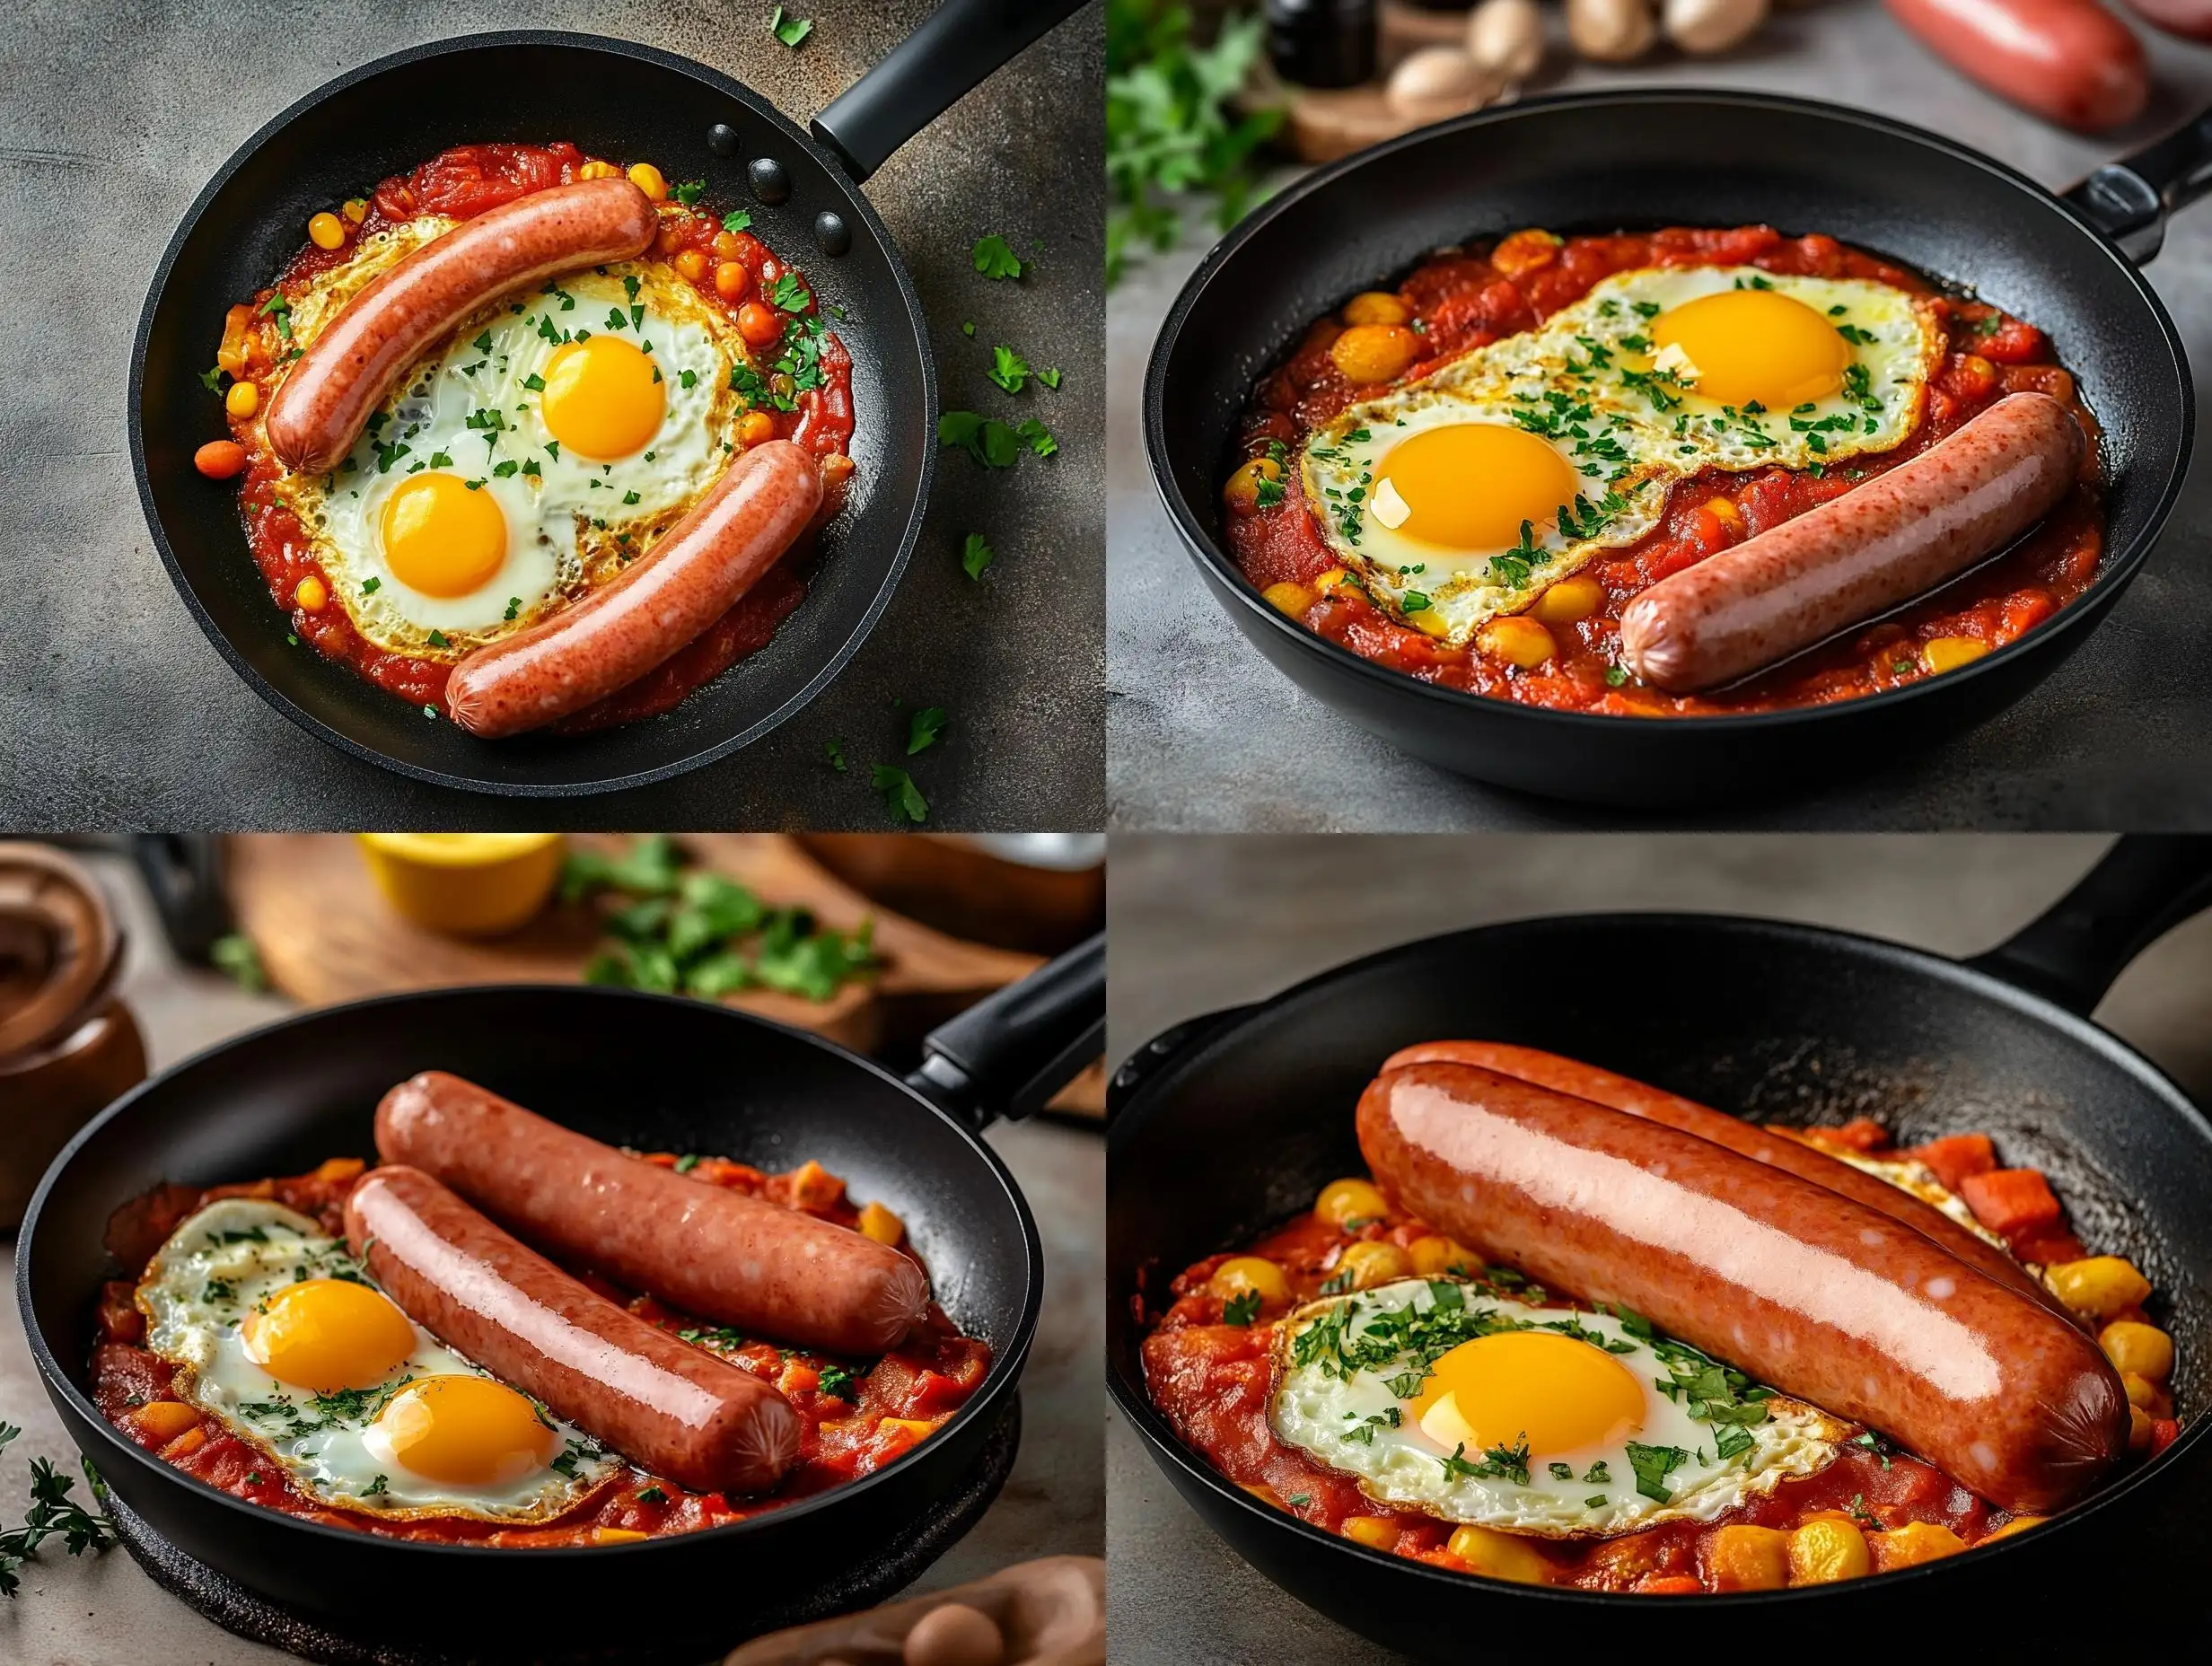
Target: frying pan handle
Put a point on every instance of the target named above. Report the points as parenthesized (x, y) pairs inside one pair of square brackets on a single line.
[(1010, 1051), (2148, 884), (2128, 200), (1140, 1066), (963, 41)]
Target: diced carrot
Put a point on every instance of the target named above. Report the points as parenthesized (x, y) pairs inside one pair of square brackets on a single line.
[(2016, 1202), (1957, 1156), (1861, 1134), (2165, 1432), (1669, 1586), (2053, 1249)]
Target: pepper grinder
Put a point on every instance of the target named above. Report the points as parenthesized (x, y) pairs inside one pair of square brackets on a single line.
[(1322, 43)]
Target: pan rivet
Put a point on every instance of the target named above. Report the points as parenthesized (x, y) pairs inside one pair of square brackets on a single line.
[(721, 139), (770, 183), (831, 235)]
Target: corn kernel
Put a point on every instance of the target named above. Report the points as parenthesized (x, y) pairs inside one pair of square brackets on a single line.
[(1569, 600), (1343, 1201), (1433, 1255), (597, 170), (880, 1223), (165, 1420), (1518, 640), (2101, 1287), (1914, 1543), (1825, 1549), (310, 593), (1376, 1532), (1748, 1559), (1377, 306), (1947, 653), (1250, 1274), (1288, 598), (2143, 1349), (325, 231), (1372, 1264), (1501, 1556), (647, 179)]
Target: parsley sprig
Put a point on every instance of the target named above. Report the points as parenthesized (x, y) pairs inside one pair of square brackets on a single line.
[(53, 1513)]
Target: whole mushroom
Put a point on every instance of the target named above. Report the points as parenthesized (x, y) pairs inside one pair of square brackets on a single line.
[(1707, 26), (1613, 31), (1437, 82), (1507, 38)]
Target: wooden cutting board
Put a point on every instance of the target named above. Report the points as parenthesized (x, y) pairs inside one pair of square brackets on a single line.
[(325, 934)]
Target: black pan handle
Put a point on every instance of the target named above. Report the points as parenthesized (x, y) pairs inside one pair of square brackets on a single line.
[(2128, 200), (1171, 1043), (963, 41), (2146, 884), (1010, 1051)]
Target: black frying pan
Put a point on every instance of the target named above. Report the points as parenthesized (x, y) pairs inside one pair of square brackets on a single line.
[(622, 100), (1780, 1023), (649, 1071), (1614, 161)]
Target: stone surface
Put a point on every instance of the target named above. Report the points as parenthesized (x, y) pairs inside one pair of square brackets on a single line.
[(104, 1611), (1204, 734), (116, 710), (1198, 925)]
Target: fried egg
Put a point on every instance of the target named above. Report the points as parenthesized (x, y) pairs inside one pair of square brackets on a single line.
[(1444, 1398), (1465, 493), (523, 460), (280, 1335)]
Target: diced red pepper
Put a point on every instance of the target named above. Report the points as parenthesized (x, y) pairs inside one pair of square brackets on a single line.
[(2165, 1432), (2016, 1202), (1955, 1156)]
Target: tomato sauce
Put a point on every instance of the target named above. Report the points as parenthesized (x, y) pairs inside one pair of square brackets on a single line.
[(463, 183), (1461, 299), (1213, 1378), (855, 1417)]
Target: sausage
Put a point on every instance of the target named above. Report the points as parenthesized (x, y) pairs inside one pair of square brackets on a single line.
[(668, 1408), (1903, 532), (1807, 1163), (741, 1261), (2069, 61), (1808, 1292), (319, 409), (691, 577), (2190, 19)]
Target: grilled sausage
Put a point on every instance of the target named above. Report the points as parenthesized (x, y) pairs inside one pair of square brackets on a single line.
[(319, 409), (742, 1261), (1805, 1289), (1900, 534), (658, 604), (668, 1408), (1807, 1163), (2069, 61)]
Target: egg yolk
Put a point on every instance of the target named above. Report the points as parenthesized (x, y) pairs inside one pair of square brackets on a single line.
[(466, 1431), (1561, 1393), (441, 538), (1471, 485), (1756, 345), (327, 1333), (601, 397)]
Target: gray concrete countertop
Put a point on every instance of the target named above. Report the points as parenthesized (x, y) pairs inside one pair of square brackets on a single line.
[(103, 1611), (1204, 734), (116, 710), (1188, 939)]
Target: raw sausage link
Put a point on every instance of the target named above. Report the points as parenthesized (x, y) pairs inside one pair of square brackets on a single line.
[(1806, 1291), (1778, 1151), (668, 1408), (1900, 534), (2069, 61), (767, 1270), (321, 409), (660, 603)]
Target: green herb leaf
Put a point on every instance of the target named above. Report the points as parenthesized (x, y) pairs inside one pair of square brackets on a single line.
[(994, 258), (1008, 369), (925, 728), (975, 554), (902, 797), (790, 30)]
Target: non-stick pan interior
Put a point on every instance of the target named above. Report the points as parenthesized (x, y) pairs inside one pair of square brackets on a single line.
[(614, 100), (1638, 161), (1780, 1023)]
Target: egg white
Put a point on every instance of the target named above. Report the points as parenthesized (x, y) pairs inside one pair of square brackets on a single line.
[(1348, 1418), (196, 1294), (1625, 416)]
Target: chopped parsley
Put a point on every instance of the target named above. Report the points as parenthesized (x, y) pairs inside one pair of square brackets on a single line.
[(790, 30), (838, 1383), (925, 728), (994, 258), (690, 192), (902, 797), (1242, 1308), (1009, 370), (1653, 1465), (975, 554)]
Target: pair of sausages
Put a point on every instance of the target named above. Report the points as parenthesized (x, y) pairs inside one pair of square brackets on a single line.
[(1898, 536), (695, 572), (455, 1155), (1808, 1289)]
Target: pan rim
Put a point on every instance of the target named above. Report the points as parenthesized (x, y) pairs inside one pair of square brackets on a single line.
[(1003, 1378), (723, 86), (1228, 580), (1164, 1444)]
